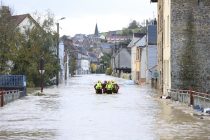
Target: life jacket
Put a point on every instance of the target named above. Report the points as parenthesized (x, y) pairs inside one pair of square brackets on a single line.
[(115, 86), (109, 86), (98, 86)]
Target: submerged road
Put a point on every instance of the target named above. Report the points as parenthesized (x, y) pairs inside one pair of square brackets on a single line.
[(72, 111)]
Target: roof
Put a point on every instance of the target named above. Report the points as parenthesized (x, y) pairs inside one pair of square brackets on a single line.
[(136, 38), (17, 19), (96, 33), (141, 42), (91, 54), (152, 34), (139, 35), (82, 50), (106, 46)]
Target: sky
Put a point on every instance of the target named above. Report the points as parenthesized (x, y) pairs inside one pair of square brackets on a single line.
[(81, 16)]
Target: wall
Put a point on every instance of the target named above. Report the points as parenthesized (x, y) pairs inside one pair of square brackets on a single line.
[(133, 58), (152, 61), (25, 25), (190, 41), (143, 64)]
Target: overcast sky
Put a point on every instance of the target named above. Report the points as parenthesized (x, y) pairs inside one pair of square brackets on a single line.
[(82, 15)]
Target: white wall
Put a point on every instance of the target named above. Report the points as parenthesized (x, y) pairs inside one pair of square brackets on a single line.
[(167, 47), (85, 65), (133, 58), (61, 57), (152, 61), (25, 25), (143, 63)]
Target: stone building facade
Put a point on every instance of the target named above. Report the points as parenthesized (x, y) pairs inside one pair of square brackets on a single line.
[(184, 44), (190, 44)]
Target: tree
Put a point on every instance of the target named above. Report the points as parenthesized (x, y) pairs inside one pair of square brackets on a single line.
[(73, 65), (36, 42), (133, 25), (7, 38)]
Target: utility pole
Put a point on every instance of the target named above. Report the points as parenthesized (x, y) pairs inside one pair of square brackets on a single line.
[(57, 75), (58, 60)]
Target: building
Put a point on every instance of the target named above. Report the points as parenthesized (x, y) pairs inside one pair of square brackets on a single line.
[(183, 44), (151, 51), (62, 61), (141, 60), (144, 55), (121, 62), (134, 66)]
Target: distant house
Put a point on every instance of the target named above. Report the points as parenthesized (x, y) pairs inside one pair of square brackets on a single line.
[(144, 55), (121, 62), (117, 38), (106, 48), (134, 65), (24, 22), (93, 58), (141, 60), (83, 63)]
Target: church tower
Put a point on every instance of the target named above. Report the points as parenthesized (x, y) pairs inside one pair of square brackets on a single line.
[(96, 31)]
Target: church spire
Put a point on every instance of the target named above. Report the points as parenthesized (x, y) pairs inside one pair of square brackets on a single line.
[(96, 30)]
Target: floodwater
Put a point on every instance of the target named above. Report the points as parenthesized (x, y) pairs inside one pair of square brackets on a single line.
[(72, 111)]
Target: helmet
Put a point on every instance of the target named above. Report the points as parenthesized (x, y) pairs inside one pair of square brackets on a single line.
[(99, 81)]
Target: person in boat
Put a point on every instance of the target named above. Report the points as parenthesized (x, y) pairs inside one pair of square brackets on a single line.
[(104, 86), (109, 87), (98, 87), (115, 87)]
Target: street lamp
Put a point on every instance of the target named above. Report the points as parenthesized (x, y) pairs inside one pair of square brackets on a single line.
[(57, 75)]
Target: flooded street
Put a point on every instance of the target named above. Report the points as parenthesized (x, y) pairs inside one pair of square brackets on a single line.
[(72, 111)]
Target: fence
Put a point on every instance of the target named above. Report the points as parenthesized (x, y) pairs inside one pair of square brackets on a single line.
[(201, 100), (9, 96), (12, 87)]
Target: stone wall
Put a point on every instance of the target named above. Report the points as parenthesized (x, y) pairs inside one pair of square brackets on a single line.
[(190, 44)]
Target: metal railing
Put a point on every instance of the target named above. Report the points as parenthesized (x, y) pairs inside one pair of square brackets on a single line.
[(202, 100)]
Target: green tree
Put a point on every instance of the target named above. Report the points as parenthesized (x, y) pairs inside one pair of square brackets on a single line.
[(134, 27), (73, 65), (36, 42), (7, 39)]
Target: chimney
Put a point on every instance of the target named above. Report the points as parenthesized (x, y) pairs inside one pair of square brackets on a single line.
[(5, 10), (155, 21)]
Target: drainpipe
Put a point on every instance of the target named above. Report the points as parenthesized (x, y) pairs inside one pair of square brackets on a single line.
[(191, 97)]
